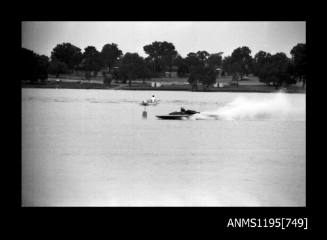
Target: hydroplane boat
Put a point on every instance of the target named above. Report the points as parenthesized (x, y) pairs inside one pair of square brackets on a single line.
[(183, 114)]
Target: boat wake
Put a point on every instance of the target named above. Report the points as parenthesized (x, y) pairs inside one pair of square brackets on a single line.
[(273, 107)]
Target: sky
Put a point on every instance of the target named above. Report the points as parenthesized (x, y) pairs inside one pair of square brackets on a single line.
[(213, 37)]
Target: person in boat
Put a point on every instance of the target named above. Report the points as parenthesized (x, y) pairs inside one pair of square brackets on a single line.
[(153, 98), (184, 111)]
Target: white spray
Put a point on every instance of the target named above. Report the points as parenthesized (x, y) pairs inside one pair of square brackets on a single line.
[(273, 107)]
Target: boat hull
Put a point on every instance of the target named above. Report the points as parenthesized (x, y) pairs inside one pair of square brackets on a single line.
[(173, 117), (147, 103)]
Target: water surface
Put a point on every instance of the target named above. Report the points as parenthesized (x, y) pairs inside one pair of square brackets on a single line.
[(94, 148)]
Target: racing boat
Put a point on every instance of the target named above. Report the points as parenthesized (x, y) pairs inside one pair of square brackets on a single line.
[(149, 102), (183, 114)]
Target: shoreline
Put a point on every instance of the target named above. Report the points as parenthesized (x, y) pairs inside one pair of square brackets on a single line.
[(134, 87)]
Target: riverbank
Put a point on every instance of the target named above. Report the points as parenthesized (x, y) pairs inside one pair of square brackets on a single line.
[(244, 88), (185, 87)]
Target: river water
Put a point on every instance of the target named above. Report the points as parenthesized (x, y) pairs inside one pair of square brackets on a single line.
[(96, 148)]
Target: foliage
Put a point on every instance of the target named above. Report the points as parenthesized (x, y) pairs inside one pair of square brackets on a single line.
[(91, 60), (241, 60), (162, 55), (280, 67), (110, 55), (215, 60), (197, 59), (202, 56), (299, 59), (28, 65), (57, 67), (193, 61), (132, 66), (42, 67), (115, 73), (200, 66), (68, 54), (107, 79), (275, 68), (227, 63), (205, 75), (261, 59), (34, 66), (193, 79), (182, 67)]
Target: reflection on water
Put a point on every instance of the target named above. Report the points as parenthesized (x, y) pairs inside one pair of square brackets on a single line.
[(92, 148), (144, 114)]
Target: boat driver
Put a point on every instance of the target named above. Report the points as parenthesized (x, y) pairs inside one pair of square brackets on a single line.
[(153, 98)]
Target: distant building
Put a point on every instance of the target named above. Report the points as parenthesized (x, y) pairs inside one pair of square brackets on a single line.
[(219, 71), (155, 84), (172, 73)]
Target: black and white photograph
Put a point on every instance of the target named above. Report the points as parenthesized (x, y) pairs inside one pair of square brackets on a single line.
[(163, 113)]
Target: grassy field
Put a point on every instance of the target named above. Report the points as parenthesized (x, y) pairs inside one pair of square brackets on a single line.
[(170, 84)]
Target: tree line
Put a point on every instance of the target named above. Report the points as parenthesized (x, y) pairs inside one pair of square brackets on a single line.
[(199, 67)]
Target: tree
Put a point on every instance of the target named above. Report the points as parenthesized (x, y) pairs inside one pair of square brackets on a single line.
[(194, 66), (107, 79), (193, 61), (199, 58), (182, 68), (42, 67), (148, 68), (34, 66), (202, 56), (201, 70), (241, 57), (280, 65), (227, 65), (215, 60), (145, 71), (207, 76), (29, 63), (68, 54), (162, 55), (57, 67), (261, 60), (115, 73), (131, 67), (299, 60), (91, 60), (168, 55), (194, 78), (275, 68), (110, 55)]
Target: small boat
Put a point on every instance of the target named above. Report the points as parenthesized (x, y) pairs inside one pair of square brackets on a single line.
[(149, 102), (186, 114)]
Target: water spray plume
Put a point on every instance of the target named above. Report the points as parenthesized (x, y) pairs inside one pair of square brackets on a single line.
[(272, 107)]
